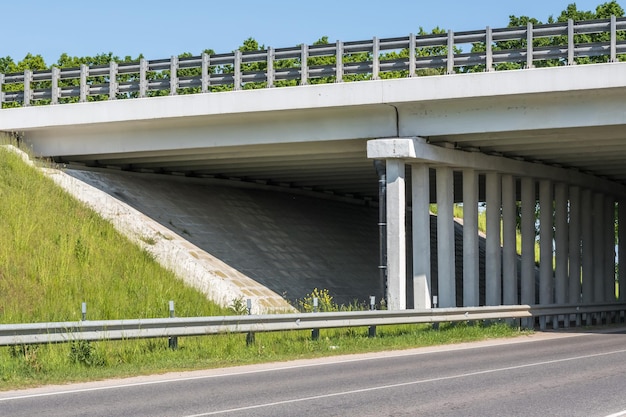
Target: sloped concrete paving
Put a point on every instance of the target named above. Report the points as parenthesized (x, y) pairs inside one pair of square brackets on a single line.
[(236, 242)]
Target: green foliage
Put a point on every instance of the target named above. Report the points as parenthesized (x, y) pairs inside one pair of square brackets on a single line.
[(84, 353), (603, 11), (324, 299), (238, 307), (325, 303), (56, 253)]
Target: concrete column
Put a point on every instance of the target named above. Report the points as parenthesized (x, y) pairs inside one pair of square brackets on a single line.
[(561, 247), (528, 241), (470, 238), (509, 253), (546, 236), (445, 238), (574, 245), (396, 235), (622, 249), (421, 236), (587, 247), (609, 251), (598, 247), (493, 252)]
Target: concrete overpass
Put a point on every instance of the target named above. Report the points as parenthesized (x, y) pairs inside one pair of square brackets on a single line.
[(552, 135)]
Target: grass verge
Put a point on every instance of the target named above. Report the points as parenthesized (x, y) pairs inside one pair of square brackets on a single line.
[(28, 366)]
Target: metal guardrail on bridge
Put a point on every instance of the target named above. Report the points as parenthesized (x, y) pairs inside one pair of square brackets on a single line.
[(371, 59), (60, 332)]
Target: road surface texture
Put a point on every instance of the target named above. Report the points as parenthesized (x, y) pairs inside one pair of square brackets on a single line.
[(546, 374)]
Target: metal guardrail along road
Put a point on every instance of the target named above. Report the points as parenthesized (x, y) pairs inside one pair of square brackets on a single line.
[(371, 59), (38, 333)]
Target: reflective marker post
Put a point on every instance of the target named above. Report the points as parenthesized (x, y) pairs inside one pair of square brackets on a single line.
[(315, 333), (172, 341), (371, 330), (250, 335)]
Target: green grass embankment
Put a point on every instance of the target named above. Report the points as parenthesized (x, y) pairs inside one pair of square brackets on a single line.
[(55, 253)]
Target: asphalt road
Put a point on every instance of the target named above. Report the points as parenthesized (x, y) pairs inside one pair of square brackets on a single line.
[(546, 374)]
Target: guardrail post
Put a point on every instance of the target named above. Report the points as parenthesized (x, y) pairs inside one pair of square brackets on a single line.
[(237, 70), (315, 333), (375, 58), (250, 335), (371, 330), (112, 80), (269, 72), (488, 49), (304, 65), (412, 60), (206, 60), (83, 310), (613, 57), (28, 76), (529, 45), (570, 42), (84, 88), (54, 89), (1, 90), (173, 75), (143, 78), (173, 340), (450, 69), (339, 62)]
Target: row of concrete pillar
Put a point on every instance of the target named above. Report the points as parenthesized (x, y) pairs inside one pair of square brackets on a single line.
[(576, 239)]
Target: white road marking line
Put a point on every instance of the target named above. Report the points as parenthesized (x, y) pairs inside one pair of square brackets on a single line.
[(278, 367), (404, 384)]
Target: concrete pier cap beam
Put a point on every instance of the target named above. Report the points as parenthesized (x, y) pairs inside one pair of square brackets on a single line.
[(417, 149)]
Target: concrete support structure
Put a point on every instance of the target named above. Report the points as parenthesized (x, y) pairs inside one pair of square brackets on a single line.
[(546, 237), (576, 230), (445, 238), (421, 236), (528, 241), (587, 247), (493, 252), (599, 227), (470, 238), (396, 235), (509, 256), (574, 283), (561, 247)]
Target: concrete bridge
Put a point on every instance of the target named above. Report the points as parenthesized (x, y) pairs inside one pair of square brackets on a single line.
[(552, 136)]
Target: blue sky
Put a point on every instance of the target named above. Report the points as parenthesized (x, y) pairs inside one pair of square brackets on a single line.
[(160, 29)]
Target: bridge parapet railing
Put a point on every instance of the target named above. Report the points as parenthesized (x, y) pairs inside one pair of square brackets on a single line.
[(566, 43)]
